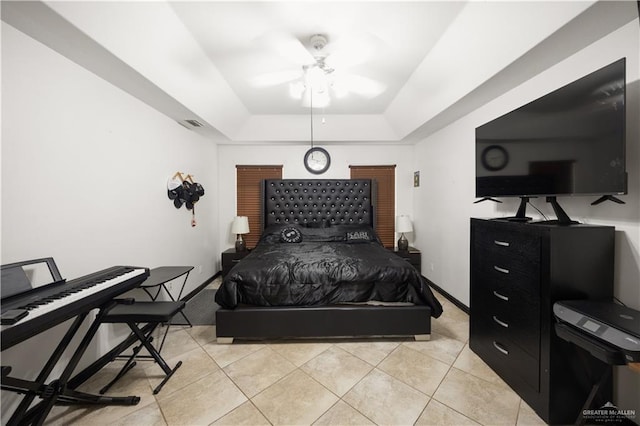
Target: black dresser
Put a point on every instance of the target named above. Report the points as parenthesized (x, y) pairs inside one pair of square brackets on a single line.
[(518, 270)]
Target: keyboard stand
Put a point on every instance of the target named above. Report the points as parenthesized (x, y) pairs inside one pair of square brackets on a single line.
[(58, 391), (158, 277)]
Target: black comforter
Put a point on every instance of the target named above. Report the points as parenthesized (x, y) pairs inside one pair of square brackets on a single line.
[(297, 266)]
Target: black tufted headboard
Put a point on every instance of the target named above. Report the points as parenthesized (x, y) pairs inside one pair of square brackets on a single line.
[(337, 201)]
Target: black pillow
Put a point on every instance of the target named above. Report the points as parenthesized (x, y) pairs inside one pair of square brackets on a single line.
[(317, 224), (290, 234), (358, 236)]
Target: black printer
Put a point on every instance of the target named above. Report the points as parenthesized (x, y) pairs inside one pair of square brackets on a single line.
[(609, 331)]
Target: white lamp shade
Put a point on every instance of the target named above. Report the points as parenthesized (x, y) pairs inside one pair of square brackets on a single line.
[(240, 225), (403, 224)]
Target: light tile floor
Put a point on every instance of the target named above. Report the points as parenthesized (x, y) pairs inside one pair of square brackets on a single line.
[(320, 382)]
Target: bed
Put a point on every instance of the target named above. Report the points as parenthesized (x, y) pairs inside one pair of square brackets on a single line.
[(319, 270)]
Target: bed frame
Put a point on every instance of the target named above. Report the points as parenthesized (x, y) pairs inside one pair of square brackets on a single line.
[(338, 201)]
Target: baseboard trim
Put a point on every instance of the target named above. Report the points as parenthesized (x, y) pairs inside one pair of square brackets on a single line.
[(200, 287), (449, 297)]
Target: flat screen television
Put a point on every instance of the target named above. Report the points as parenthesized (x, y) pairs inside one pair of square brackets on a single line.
[(568, 142)]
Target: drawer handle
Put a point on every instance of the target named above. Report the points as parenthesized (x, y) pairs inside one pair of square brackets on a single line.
[(502, 323), (501, 243), (500, 296), (235, 260), (500, 348), (499, 269)]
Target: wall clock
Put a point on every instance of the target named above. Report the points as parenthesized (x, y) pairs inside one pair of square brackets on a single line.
[(317, 160), (494, 157)]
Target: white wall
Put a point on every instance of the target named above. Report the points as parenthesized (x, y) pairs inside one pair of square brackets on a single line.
[(443, 203), (291, 156), (84, 173)]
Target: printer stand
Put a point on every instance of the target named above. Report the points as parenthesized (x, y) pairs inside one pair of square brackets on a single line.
[(609, 333)]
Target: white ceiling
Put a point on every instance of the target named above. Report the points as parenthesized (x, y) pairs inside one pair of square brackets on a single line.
[(197, 59)]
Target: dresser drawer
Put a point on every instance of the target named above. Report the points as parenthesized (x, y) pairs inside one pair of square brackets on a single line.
[(503, 355), (516, 283), (508, 251), (511, 264), (521, 258), (518, 324), (511, 303), (511, 300), (498, 240)]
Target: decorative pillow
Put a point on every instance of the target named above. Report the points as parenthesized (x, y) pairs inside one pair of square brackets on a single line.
[(359, 236), (290, 234), (317, 224), (271, 235)]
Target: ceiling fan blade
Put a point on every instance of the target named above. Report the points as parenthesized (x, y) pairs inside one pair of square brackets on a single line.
[(351, 50), (275, 78), (359, 85), (288, 47)]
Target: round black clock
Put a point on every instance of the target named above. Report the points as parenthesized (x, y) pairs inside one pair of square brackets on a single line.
[(494, 158), (317, 160)]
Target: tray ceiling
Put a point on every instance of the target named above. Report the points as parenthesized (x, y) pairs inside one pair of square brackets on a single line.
[(199, 60)]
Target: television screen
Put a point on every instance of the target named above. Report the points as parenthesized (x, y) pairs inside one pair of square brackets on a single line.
[(568, 142)]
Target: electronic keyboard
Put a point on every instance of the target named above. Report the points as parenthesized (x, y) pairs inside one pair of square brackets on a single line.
[(29, 313)]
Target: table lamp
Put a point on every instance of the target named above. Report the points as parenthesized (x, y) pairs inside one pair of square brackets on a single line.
[(403, 224), (240, 226)]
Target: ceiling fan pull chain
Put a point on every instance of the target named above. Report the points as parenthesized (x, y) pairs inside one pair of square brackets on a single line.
[(311, 102)]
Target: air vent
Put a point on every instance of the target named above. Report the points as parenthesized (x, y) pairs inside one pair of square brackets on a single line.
[(190, 124)]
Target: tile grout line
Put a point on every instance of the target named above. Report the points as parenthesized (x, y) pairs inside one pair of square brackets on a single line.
[(287, 375), (466, 343)]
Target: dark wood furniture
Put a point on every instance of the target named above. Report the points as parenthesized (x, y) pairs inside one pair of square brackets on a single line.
[(231, 258), (340, 201), (518, 271), (412, 255)]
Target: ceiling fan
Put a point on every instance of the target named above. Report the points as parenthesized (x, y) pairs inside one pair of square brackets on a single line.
[(322, 69)]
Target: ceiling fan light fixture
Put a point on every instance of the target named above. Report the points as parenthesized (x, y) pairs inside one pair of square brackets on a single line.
[(320, 99), (320, 70), (296, 90), (316, 78)]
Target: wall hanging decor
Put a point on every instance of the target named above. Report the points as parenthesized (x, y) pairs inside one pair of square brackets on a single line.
[(183, 190)]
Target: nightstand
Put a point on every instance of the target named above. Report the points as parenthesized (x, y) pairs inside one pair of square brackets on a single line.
[(230, 258), (413, 256)]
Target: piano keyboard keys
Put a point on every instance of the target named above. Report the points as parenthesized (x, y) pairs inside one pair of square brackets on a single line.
[(67, 296)]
